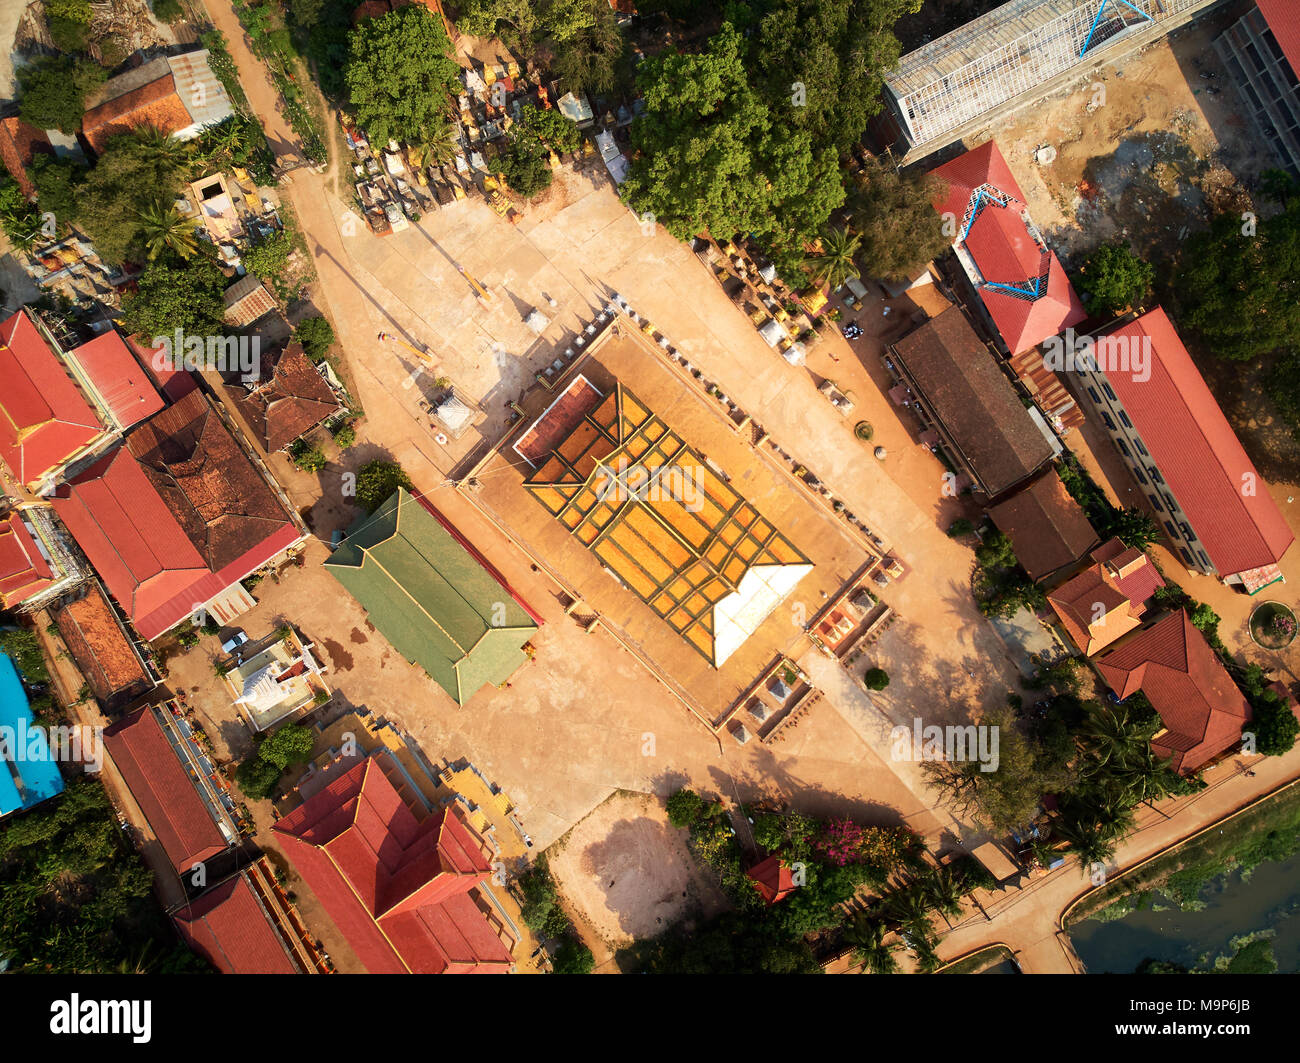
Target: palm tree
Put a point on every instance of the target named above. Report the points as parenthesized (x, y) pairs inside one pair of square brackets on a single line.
[(222, 140), (867, 936), (835, 264), (907, 905), (439, 147), (161, 148), (1113, 738), (164, 229), (944, 890), (1087, 840)]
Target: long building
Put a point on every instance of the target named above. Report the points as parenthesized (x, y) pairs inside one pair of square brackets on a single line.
[(1262, 53), (1212, 503)]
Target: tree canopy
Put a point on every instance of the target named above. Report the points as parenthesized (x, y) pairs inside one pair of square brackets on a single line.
[(170, 297), (1238, 286), (52, 91), (1113, 278), (400, 75), (895, 216), (712, 157)]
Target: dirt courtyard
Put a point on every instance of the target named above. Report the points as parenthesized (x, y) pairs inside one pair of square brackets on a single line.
[(1145, 151), (628, 872)]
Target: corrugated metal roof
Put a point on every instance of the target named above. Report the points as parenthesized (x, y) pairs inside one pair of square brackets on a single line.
[(204, 97)]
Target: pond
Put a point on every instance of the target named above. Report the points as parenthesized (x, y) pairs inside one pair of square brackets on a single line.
[(1269, 899)]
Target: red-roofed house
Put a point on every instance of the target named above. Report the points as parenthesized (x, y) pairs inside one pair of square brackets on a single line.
[(1021, 283), (24, 573), (1107, 600), (773, 879), (177, 94), (231, 928), (47, 419), (406, 886), (190, 827), (1200, 706), (1262, 53), (1213, 505), (176, 518), (121, 381)]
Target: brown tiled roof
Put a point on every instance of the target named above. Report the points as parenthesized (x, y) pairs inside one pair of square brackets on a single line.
[(210, 485), (1045, 525), (293, 401), (247, 300), (1171, 663), (19, 143), (102, 650), (155, 104), (961, 383)]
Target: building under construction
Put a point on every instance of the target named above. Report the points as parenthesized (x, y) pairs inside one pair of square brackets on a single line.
[(1012, 56)]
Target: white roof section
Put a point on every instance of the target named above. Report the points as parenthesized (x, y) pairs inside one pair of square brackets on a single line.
[(575, 108), (741, 613), (204, 97)]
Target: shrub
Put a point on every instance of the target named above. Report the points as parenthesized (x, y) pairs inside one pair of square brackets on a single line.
[(376, 482), (345, 437), (1275, 726), (876, 679), (291, 744), (961, 526), (573, 957), (168, 10), (306, 457), (684, 808), (316, 335)]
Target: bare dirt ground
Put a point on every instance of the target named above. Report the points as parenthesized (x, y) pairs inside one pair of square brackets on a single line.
[(1144, 152), (628, 872)]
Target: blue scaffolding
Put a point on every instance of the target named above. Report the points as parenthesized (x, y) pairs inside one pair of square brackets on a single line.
[(1097, 21)]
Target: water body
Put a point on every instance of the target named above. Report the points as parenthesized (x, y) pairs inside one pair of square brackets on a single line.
[(1269, 899)]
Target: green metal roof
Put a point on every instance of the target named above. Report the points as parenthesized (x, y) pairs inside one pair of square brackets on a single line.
[(431, 597)]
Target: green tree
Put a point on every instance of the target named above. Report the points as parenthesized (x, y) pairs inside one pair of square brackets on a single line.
[(823, 60), (894, 214), (549, 129), (710, 156), (269, 257), (835, 263), (1133, 527), (376, 482), (21, 221), (164, 230), (170, 297), (573, 957), (134, 171), (257, 778), (400, 75), (168, 10), (57, 184), (876, 679), (1113, 278), (684, 808), (306, 457), (866, 935), (316, 335), (52, 91), (527, 169), (69, 22), (595, 59), (1274, 725), (1240, 290), (291, 744)]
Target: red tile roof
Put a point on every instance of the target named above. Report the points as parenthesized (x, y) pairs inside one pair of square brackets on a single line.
[(102, 649), (1045, 525), (293, 401), (228, 927), (119, 378), (1106, 601), (154, 104), (773, 879), (19, 143), (1198, 454), (1281, 16), (176, 516), (1130, 570), (44, 418), (23, 571), (397, 887), (172, 382), (1172, 664), (1005, 251), (164, 791)]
